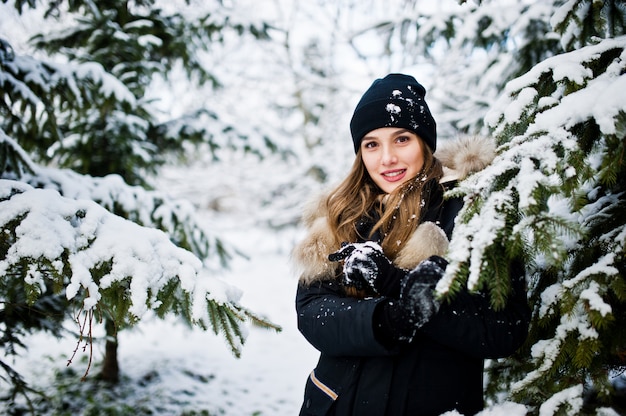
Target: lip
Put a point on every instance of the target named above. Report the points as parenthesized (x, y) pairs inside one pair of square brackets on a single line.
[(396, 175)]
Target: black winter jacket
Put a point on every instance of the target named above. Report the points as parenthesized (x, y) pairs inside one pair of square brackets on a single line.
[(440, 370)]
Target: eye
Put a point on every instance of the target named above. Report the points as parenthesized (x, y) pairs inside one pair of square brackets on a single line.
[(403, 139), (370, 144)]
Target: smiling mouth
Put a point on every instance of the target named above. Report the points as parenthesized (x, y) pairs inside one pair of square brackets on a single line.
[(393, 175)]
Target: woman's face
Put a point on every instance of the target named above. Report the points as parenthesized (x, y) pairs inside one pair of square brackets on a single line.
[(392, 156)]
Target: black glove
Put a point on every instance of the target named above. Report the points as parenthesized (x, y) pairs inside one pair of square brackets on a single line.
[(399, 320), (367, 268)]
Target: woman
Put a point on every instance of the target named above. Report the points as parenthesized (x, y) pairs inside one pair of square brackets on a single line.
[(369, 264)]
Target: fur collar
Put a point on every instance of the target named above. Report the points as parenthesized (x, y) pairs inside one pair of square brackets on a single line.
[(310, 257)]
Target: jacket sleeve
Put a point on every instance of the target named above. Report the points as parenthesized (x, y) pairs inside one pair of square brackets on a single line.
[(470, 325), (337, 325)]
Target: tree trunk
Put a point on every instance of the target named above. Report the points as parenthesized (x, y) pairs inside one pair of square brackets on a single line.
[(110, 367)]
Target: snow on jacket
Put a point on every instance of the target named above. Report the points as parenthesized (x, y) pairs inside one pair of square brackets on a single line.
[(442, 368)]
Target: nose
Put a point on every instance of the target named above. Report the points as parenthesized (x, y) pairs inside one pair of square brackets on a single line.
[(388, 156)]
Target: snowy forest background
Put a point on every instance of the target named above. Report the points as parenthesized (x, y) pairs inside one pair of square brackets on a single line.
[(155, 155)]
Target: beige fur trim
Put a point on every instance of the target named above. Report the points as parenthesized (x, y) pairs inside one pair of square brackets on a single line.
[(310, 256), (428, 240), (465, 156)]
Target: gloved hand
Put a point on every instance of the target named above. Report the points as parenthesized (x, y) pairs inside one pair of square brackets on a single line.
[(417, 302), (365, 266)]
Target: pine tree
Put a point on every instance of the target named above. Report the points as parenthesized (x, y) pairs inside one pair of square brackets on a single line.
[(90, 114), (554, 195)]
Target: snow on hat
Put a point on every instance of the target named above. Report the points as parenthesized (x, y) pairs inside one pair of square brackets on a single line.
[(394, 101)]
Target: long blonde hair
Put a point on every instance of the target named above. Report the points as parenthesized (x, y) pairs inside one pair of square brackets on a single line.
[(400, 212)]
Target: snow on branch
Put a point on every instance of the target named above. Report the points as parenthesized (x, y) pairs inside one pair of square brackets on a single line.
[(581, 94), (14, 162), (57, 231), (570, 399), (43, 77)]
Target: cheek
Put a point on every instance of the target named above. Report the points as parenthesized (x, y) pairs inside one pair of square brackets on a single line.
[(417, 161), (369, 163)]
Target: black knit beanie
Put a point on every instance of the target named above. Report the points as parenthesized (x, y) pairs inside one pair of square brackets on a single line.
[(394, 101)]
